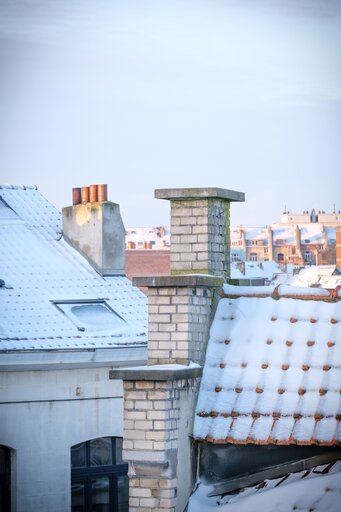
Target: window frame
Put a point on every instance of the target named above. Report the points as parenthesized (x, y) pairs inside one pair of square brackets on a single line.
[(86, 474)]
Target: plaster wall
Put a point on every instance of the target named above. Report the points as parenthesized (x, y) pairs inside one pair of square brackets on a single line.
[(96, 230), (43, 414)]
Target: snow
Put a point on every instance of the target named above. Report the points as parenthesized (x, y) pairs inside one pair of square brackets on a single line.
[(158, 367), (315, 492), (43, 270), (271, 356), (315, 276), (300, 290), (230, 289)]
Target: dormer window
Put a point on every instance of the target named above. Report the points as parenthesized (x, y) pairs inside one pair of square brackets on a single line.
[(91, 315)]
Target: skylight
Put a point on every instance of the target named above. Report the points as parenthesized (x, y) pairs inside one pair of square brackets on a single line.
[(92, 315)]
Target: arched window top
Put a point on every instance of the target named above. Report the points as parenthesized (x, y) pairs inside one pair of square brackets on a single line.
[(102, 451), (99, 476)]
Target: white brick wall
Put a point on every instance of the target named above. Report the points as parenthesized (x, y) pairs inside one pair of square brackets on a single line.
[(151, 435), (179, 320), (200, 236)]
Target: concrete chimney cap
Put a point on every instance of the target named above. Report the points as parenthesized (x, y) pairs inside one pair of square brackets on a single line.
[(198, 193)]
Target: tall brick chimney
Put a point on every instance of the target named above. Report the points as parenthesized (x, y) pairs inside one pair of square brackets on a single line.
[(159, 399), (200, 229), (94, 227)]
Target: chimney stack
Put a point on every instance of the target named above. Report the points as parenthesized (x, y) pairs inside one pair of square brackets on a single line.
[(94, 227), (200, 229)]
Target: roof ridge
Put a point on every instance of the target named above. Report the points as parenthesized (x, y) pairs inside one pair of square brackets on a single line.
[(18, 187), (330, 295)]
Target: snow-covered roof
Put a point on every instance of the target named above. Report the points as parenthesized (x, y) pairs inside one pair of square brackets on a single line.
[(317, 490), (253, 269), (325, 276), (284, 235), (52, 297), (273, 368)]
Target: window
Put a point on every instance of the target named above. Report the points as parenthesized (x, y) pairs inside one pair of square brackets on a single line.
[(5, 478), (234, 256), (280, 256), (91, 315), (253, 256), (308, 257), (99, 481)]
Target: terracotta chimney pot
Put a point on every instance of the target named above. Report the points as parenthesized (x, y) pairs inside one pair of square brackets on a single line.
[(93, 194), (85, 195), (102, 193), (76, 195)]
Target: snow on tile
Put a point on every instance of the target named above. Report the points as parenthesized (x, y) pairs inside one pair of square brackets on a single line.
[(220, 428), (261, 428), (283, 428), (241, 427), (266, 402), (309, 404), (325, 429), (272, 362), (302, 291), (43, 269)]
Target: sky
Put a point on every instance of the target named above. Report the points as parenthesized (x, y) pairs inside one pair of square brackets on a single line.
[(146, 94)]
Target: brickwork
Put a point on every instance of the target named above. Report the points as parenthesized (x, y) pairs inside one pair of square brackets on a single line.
[(158, 408), (178, 323), (152, 418), (200, 236)]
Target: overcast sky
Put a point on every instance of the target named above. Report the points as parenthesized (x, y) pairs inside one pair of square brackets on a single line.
[(238, 94)]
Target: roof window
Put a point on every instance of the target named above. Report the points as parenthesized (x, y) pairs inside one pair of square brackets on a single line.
[(91, 315)]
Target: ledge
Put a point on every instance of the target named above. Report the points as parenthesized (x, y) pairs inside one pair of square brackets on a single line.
[(198, 193), (157, 372), (182, 280)]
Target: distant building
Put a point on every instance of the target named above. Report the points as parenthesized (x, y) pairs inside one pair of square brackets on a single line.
[(148, 238), (328, 219), (300, 244), (299, 239)]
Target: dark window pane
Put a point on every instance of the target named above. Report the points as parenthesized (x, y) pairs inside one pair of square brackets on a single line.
[(77, 497), (5, 457), (101, 451), (118, 450), (78, 455), (100, 495), (123, 493)]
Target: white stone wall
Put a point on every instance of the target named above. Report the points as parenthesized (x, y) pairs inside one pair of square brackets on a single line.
[(43, 414)]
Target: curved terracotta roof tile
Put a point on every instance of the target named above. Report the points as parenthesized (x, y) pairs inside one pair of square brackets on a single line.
[(279, 380)]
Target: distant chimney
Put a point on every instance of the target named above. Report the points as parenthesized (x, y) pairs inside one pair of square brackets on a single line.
[(94, 227), (200, 229)]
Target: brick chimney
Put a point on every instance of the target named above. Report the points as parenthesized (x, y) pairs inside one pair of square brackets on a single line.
[(159, 399), (94, 227), (200, 229)]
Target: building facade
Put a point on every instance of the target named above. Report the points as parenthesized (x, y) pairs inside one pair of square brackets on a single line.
[(68, 316)]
